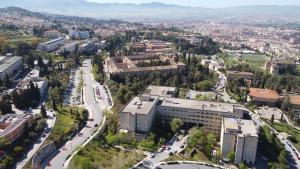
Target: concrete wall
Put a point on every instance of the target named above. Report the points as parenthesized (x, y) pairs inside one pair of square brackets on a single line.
[(43, 153), (250, 148)]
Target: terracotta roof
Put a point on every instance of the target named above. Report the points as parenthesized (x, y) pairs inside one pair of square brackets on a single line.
[(295, 100), (264, 93)]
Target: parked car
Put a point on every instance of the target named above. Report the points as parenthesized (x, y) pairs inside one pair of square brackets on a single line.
[(152, 155)]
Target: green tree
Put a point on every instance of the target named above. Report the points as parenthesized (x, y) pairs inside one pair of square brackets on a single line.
[(231, 156), (242, 166), (43, 111), (18, 149), (272, 119), (176, 124), (7, 81), (3, 143)]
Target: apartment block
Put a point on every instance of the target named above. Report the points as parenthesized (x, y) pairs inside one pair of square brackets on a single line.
[(12, 125), (241, 137)]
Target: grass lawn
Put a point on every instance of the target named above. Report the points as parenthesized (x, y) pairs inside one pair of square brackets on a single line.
[(284, 127), (255, 60), (298, 70), (65, 124), (198, 156), (96, 155)]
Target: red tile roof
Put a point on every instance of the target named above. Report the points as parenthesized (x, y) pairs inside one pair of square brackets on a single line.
[(264, 93)]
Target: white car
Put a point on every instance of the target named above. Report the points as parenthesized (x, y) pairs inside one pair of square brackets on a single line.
[(152, 155)]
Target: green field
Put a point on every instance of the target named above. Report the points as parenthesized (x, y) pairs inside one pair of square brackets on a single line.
[(256, 61), (98, 155), (66, 123)]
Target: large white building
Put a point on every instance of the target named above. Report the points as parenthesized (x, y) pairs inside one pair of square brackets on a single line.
[(239, 136), (10, 66), (79, 34), (138, 115), (51, 45)]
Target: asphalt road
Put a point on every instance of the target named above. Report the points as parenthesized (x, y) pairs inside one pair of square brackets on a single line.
[(160, 156), (96, 113), (186, 166)]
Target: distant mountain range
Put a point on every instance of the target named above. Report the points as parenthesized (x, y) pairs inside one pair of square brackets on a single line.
[(148, 10)]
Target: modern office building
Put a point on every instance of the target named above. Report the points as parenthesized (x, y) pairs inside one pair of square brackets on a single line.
[(12, 125), (241, 138), (51, 45), (10, 66), (138, 115), (88, 49), (79, 34)]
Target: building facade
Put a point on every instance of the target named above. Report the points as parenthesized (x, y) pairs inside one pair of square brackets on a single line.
[(241, 138), (201, 113), (10, 66), (12, 125), (51, 45), (264, 96)]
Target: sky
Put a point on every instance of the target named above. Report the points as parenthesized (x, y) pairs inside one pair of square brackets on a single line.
[(209, 3)]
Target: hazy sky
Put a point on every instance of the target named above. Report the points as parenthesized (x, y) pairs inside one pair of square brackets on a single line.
[(211, 3)]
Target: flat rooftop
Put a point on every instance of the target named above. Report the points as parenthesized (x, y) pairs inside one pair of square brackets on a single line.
[(136, 106), (242, 127), (197, 105), (160, 91), (9, 63), (13, 121)]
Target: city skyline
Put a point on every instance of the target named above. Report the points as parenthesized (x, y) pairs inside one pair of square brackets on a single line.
[(209, 4)]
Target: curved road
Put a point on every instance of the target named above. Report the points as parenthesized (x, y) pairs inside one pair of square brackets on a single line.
[(96, 113)]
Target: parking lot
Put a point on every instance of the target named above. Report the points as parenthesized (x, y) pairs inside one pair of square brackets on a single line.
[(267, 112), (174, 146), (73, 93), (102, 95)]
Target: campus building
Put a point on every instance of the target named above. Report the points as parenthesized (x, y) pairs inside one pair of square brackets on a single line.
[(241, 138), (232, 75), (40, 82), (79, 34), (138, 115), (51, 45), (281, 66), (295, 104), (52, 34), (10, 66), (142, 65), (264, 96), (12, 125)]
